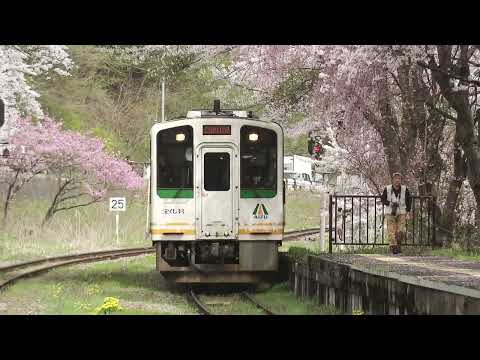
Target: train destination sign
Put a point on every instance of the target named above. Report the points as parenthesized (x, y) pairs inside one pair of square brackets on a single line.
[(217, 130)]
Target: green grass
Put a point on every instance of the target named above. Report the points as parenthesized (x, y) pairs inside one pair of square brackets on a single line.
[(79, 230), (302, 210), (313, 245), (300, 248), (460, 254), (281, 300), (80, 289)]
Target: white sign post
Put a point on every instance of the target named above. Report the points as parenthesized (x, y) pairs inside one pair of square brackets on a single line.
[(117, 204)]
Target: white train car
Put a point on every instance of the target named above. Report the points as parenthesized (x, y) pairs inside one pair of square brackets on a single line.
[(217, 197)]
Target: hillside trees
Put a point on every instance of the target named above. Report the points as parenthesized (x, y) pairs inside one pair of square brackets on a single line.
[(114, 91)]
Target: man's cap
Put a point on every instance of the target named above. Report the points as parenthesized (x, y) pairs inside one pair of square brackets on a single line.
[(396, 174)]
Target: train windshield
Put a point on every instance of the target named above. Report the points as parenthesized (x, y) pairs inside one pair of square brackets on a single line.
[(217, 172), (174, 162), (258, 165)]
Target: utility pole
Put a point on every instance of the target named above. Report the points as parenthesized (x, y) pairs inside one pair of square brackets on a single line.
[(163, 101), (161, 88)]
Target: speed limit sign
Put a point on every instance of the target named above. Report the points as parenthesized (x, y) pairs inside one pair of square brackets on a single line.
[(117, 204)]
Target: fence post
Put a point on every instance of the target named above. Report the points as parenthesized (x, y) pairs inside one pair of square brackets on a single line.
[(307, 276), (330, 215)]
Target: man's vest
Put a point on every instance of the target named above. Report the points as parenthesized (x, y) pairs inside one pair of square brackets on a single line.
[(391, 197)]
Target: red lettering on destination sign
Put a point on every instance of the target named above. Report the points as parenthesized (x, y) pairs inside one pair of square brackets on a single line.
[(217, 130)]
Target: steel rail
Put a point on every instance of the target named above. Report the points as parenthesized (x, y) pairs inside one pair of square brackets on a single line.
[(14, 267), (202, 309), (257, 304), (82, 258)]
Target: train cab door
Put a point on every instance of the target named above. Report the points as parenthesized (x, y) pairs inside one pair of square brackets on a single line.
[(217, 194)]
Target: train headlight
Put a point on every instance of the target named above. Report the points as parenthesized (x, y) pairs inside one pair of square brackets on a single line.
[(253, 137), (180, 137)]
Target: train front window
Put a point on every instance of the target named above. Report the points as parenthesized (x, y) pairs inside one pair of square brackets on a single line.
[(216, 171), (258, 163), (175, 162)]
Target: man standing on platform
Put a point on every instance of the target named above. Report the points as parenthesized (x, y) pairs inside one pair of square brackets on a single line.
[(397, 201)]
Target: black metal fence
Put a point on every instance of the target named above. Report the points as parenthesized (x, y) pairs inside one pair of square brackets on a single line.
[(359, 220)]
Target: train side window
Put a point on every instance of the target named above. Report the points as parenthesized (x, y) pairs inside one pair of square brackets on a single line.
[(174, 162), (216, 171), (258, 162)]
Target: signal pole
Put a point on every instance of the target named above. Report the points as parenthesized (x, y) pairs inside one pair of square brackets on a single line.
[(2, 112)]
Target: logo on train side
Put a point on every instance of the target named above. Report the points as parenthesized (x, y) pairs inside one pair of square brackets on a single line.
[(260, 212), (173, 211)]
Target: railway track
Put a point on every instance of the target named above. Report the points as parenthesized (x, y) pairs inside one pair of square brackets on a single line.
[(204, 310), (291, 235), (36, 267), (201, 307)]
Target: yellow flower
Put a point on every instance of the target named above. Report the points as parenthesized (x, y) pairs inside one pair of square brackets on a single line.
[(110, 304)]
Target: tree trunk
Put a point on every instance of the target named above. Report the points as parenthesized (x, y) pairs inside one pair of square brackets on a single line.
[(448, 220), (458, 100), (6, 205), (51, 210), (389, 132), (8, 200)]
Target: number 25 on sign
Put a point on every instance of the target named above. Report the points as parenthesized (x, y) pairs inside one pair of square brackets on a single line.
[(117, 204)]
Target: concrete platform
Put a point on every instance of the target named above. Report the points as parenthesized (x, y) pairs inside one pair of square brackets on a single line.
[(434, 272), (390, 284)]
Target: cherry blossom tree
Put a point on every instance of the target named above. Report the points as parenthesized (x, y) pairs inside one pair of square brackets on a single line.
[(19, 64), (395, 100), (85, 171), (17, 167)]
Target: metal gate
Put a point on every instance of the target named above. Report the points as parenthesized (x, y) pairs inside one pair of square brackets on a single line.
[(359, 220)]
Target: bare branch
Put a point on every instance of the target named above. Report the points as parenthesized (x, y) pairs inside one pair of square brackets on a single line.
[(426, 66), (77, 206), (441, 112)]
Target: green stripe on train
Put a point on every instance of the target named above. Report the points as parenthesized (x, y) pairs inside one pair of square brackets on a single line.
[(188, 193), (257, 193), (175, 193)]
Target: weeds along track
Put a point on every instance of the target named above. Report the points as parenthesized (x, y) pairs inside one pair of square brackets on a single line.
[(36, 267), (14, 272)]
